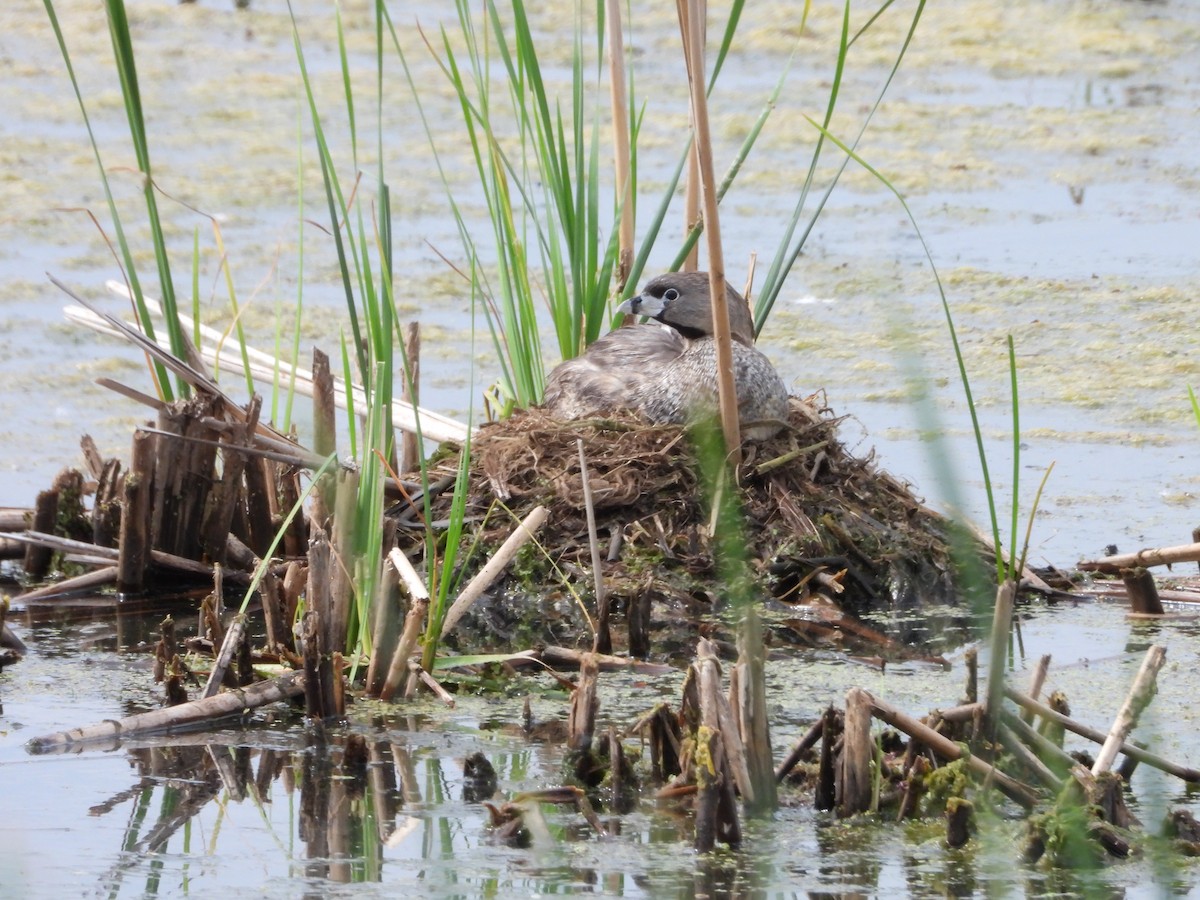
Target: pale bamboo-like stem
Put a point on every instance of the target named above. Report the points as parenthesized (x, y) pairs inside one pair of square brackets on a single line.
[(1131, 750), (410, 393), (1156, 556), (263, 366), (229, 646), (691, 197), (196, 714), (413, 623), (748, 291), (691, 13), (603, 639), (1139, 696), (494, 566), (1036, 681), (621, 148), (944, 747)]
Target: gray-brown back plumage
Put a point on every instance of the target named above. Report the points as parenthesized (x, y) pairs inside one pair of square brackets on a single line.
[(668, 371)]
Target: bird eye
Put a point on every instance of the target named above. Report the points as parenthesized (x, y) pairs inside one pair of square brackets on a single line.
[(670, 294)]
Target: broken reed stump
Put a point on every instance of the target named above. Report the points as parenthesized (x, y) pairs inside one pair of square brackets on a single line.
[(1006, 596), (1036, 681), (960, 819), (748, 689), (410, 392), (168, 668), (854, 783), (825, 796), (1143, 593), (581, 721), (45, 513), (414, 621)]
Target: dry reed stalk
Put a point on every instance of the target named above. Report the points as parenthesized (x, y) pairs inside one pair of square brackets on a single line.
[(691, 17), (264, 366), (106, 505), (434, 686), (971, 659), (491, 571), (825, 796), (620, 134), (37, 557), (89, 581), (324, 408), (1048, 752), (295, 539), (276, 616), (14, 518), (603, 639), (1160, 556), (1139, 697), (712, 778), (413, 623), (1036, 681), (748, 290), (342, 561), (807, 741), (948, 749), (234, 635), (227, 494), (410, 393), (261, 504), (1028, 758), (1157, 556), (691, 197), (195, 714), (384, 628), (320, 628)]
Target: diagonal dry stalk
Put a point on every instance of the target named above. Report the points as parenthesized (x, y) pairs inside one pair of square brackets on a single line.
[(691, 19), (621, 154)]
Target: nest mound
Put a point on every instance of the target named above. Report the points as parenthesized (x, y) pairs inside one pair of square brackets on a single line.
[(819, 522)]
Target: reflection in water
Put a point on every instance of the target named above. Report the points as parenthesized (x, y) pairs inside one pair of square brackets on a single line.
[(396, 803)]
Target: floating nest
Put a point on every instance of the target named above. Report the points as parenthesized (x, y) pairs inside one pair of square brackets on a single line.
[(826, 534)]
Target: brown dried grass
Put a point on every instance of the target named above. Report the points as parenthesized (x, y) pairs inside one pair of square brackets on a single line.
[(810, 506)]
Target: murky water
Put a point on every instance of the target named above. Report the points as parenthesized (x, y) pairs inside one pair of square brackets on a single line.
[(1047, 150), (272, 808)]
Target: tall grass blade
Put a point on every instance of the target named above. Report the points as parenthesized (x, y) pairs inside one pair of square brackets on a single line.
[(958, 355), (158, 371), (785, 258)]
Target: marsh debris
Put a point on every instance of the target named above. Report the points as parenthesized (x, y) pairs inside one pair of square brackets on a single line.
[(821, 526)]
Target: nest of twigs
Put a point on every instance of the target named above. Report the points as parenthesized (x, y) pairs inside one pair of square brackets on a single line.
[(819, 524)]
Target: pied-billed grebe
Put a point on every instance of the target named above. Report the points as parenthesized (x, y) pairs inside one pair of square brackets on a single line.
[(668, 372)]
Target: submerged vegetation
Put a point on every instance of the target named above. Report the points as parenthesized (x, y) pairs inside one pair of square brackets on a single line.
[(365, 557)]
